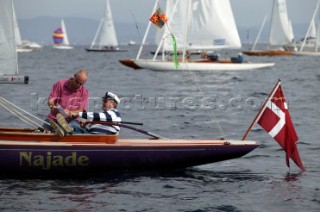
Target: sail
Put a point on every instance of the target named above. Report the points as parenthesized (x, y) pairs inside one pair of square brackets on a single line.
[(8, 53), (312, 33), (106, 34), (58, 36), (280, 29), (176, 11), (65, 35), (16, 28), (210, 25)]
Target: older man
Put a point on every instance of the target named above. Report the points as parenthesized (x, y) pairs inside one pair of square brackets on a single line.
[(67, 97)]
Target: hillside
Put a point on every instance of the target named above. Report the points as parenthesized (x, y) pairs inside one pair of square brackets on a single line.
[(81, 31)]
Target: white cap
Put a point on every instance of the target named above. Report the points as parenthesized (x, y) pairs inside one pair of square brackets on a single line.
[(112, 96)]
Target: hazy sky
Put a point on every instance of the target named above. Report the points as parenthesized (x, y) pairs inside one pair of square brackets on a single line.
[(246, 12)]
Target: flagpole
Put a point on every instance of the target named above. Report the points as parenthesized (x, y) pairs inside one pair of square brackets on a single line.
[(146, 33), (262, 109)]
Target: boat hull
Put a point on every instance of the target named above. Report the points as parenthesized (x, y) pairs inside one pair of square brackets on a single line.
[(307, 53), (268, 53), (130, 64), (203, 65), (62, 47), (105, 50), (72, 157)]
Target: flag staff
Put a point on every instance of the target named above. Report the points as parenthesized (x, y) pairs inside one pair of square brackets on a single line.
[(261, 109)]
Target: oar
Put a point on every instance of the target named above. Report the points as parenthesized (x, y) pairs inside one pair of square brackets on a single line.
[(129, 122), (111, 122), (120, 124)]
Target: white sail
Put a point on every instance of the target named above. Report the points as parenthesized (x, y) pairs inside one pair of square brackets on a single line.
[(280, 29), (16, 28), (313, 32), (65, 34), (177, 15), (8, 53), (106, 34), (212, 25)]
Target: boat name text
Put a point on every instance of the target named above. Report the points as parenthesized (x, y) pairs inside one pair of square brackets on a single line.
[(48, 161)]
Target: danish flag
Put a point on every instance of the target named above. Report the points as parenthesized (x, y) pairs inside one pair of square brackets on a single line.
[(274, 117)]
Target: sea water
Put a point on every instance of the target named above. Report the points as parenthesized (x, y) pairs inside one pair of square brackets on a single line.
[(177, 105)]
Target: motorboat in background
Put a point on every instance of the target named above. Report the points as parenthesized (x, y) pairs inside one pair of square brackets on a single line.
[(131, 43)]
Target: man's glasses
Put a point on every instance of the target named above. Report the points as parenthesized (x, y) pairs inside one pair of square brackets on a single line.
[(78, 82)]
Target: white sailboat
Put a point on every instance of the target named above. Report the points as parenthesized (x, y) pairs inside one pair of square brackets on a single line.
[(197, 25), (19, 44), (8, 52), (23, 45), (311, 41), (105, 39), (280, 33), (60, 38)]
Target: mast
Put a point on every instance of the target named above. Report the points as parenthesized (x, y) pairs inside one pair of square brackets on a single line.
[(146, 33)]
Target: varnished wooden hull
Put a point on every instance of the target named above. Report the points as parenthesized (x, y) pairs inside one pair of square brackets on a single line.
[(268, 53)]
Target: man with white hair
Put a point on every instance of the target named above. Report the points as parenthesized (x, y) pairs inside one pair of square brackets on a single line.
[(109, 114)]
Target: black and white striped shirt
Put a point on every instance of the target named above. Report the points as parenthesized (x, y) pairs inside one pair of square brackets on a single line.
[(108, 116)]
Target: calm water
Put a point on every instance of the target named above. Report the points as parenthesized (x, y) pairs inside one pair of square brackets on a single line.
[(175, 105)]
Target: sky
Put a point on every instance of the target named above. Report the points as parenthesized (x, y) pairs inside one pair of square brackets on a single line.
[(246, 12)]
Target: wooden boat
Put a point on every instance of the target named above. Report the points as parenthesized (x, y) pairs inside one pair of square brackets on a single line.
[(218, 31), (280, 33), (30, 152), (275, 52)]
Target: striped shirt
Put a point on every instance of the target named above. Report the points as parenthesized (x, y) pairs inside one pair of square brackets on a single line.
[(108, 116)]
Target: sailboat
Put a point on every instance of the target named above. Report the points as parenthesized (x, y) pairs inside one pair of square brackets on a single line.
[(8, 52), (20, 46), (280, 33), (196, 25), (60, 37), (37, 152), (105, 39), (311, 41)]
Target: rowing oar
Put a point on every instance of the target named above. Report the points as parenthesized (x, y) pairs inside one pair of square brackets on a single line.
[(120, 124)]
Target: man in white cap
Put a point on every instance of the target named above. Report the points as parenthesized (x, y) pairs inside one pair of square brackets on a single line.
[(109, 114)]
